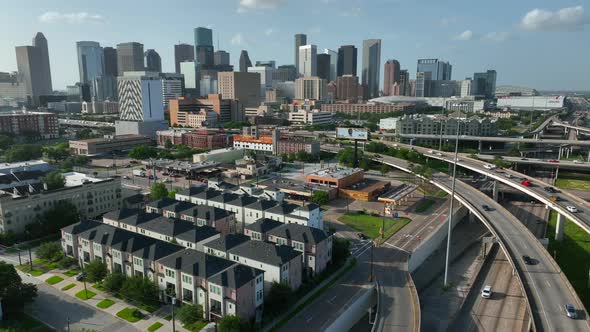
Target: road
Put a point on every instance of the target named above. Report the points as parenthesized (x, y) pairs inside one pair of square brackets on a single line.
[(489, 139), (562, 164)]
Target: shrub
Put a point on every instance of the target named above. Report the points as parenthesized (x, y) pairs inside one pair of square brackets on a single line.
[(67, 262), (95, 271), (189, 313), (50, 251), (113, 282)]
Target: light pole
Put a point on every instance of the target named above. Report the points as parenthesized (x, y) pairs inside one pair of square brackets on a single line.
[(450, 228)]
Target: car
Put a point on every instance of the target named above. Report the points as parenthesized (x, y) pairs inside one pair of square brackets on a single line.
[(571, 209), (524, 159), (125, 177), (539, 221), (550, 189), (151, 177), (578, 162), (570, 311), (527, 260), (80, 276), (167, 180), (489, 166), (165, 174), (430, 151), (508, 175), (361, 236), (526, 183), (486, 208), (553, 160), (486, 292)]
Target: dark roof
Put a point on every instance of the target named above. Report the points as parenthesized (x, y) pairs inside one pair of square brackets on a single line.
[(107, 235), (226, 185), (179, 206), (283, 208), (196, 263), (19, 176), (299, 233), (121, 214), (191, 191), (263, 225), (157, 250), (265, 252), (80, 227), (197, 233), (243, 200), (227, 242), (309, 207), (262, 205), (167, 226), (208, 194), (133, 217), (236, 276), (134, 199), (225, 197), (208, 213), (162, 202), (133, 243)]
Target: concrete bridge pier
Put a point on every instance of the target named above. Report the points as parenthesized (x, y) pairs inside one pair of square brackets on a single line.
[(495, 191), (480, 146), (559, 227)]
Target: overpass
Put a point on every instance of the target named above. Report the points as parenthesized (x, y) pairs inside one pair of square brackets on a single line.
[(545, 286), (562, 164), (84, 123)]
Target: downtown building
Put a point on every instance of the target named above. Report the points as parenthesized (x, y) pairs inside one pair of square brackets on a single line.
[(200, 139), (182, 53), (17, 123), (371, 67), (313, 88), (34, 71), (184, 109)]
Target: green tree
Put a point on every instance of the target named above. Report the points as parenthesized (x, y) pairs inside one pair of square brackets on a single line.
[(232, 323), (158, 191), (13, 292), (95, 271), (384, 169), (141, 290), (5, 141), (172, 194), (113, 282), (190, 313), (63, 213), (168, 144), (340, 250), (365, 164), (320, 197), (85, 133), (346, 156), (51, 251), (24, 152), (279, 298), (143, 152), (57, 152), (54, 180)]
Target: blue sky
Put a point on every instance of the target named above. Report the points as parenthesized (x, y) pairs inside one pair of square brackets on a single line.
[(542, 44)]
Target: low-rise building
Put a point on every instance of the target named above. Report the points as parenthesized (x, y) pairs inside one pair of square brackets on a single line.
[(258, 230), (107, 145), (200, 139), (219, 247), (388, 124), (369, 108), (336, 176), (313, 117), (227, 155)]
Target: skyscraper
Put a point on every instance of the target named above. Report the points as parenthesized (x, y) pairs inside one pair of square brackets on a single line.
[(129, 57), (110, 61), (300, 40), (371, 66), (140, 97), (323, 66), (333, 63), (204, 46), (266, 63), (244, 87), (308, 55), (221, 58), (347, 60), (34, 70), (244, 61), (391, 73), (402, 88), (90, 60), (153, 62), (192, 77), (183, 52), (484, 84), (440, 70)]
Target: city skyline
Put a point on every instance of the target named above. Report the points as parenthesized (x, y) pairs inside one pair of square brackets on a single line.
[(465, 38)]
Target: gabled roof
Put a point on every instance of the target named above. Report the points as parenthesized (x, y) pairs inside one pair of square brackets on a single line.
[(121, 214), (265, 252), (167, 226), (227, 242), (283, 208), (162, 202), (196, 263), (263, 225), (106, 235), (80, 227), (299, 233), (133, 243), (133, 217), (308, 207), (243, 200), (192, 191), (224, 198), (180, 206), (208, 194), (262, 205), (197, 233), (236, 276), (208, 213), (157, 250)]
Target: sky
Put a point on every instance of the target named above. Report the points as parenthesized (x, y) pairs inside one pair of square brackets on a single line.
[(543, 44)]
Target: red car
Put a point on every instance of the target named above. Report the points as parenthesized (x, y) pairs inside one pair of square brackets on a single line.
[(526, 183), (553, 160)]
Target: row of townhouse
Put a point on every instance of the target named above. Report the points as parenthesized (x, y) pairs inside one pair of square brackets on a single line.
[(220, 286)]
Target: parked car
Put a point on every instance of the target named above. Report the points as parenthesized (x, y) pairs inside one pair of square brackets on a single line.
[(508, 175), (570, 311), (524, 159), (571, 209), (486, 292), (80, 276), (527, 260), (550, 189), (489, 166), (430, 151)]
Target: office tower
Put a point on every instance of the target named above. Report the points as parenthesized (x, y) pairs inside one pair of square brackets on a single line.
[(182, 53), (192, 77), (110, 61), (323, 66), (347, 60), (266, 63), (90, 60), (244, 61), (402, 88), (347, 87), (333, 63), (153, 62), (244, 87), (300, 40), (314, 88), (140, 97), (33, 69), (484, 84), (439, 70), (172, 85), (266, 73), (129, 57), (308, 55), (391, 73), (285, 73), (104, 88), (221, 58), (208, 85), (371, 66), (204, 46)]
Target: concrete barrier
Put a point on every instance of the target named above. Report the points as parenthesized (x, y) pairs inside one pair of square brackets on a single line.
[(354, 312)]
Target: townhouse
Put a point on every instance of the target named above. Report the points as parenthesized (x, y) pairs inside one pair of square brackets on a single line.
[(69, 236), (201, 215), (257, 210), (259, 229), (219, 247)]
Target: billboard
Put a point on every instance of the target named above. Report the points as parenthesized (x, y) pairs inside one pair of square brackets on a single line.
[(352, 133)]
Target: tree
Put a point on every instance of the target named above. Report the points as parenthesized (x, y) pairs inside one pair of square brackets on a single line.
[(340, 250), (13, 293), (95, 271), (158, 191), (320, 197), (63, 213), (143, 152), (168, 144), (5, 141), (57, 152), (231, 323), (50, 251), (384, 169), (113, 282), (141, 290), (172, 194), (84, 133), (279, 297), (189, 313), (54, 180), (24, 152), (365, 164)]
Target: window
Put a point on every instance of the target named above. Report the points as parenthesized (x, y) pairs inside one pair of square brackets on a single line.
[(215, 289), (170, 273), (258, 279), (187, 279), (259, 295)]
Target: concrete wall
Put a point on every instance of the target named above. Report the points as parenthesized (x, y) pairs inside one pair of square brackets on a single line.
[(428, 245), (354, 312)]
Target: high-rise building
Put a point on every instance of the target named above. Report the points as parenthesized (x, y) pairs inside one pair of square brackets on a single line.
[(308, 55), (153, 62), (402, 88), (285, 73), (110, 61), (439, 70), (347, 87), (266, 74), (484, 84), (371, 66), (192, 77), (182, 53), (129, 57), (391, 73), (267, 63), (90, 60), (140, 97), (104, 88), (204, 46), (172, 84), (244, 61), (347, 60), (300, 40), (33, 69), (314, 88), (323, 66), (244, 87), (221, 58), (333, 63)]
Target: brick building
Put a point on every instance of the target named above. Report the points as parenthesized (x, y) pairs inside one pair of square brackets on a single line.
[(201, 139), (368, 108), (20, 122), (182, 108)]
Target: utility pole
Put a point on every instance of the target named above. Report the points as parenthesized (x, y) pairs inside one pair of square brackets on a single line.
[(450, 228), (30, 259)]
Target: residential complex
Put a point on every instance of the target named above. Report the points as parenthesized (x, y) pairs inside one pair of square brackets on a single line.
[(200, 139), (21, 123), (103, 146), (369, 108), (431, 125), (185, 111), (313, 117)]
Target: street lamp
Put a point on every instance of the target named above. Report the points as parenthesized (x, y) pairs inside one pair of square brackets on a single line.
[(450, 226), (170, 293)]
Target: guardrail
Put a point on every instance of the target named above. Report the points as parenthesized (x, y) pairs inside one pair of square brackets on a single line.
[(377, 316)]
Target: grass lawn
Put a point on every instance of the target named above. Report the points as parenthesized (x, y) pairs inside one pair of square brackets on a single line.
[(105, 303), (168, 318), (155, 326), (424, 205), (35, 272), (195, 327), (573, 255), (573, 181), (85, 294), (70, 286), (71, 273), (370, 225), (24, 322), (54, 280), (99, 286), (441, 194), (130, 314)]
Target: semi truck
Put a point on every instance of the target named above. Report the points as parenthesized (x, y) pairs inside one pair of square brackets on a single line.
[(138, 172)]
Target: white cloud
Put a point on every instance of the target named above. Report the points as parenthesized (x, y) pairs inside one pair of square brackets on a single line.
[(464, 36), (269, 31), (563, 19), (247, 5), (497, 36), (71, 18), (239, 40)]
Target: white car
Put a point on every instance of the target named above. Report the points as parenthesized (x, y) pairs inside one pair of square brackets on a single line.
[(578, 162), (489, 166), (486, 292), (571, 209), (430, 152)]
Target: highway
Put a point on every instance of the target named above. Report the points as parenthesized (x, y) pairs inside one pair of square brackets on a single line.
[(546, 287), (562, 164), (489, 139)]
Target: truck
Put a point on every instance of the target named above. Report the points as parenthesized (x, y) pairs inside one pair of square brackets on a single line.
[(138, 172)]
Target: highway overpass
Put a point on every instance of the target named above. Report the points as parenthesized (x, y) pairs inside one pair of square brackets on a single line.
[(562, 164)]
